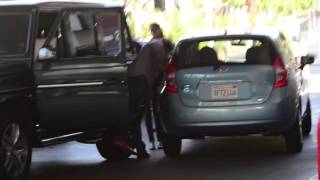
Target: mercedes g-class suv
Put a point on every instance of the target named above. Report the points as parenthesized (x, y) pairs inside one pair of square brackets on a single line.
[(63, 77)]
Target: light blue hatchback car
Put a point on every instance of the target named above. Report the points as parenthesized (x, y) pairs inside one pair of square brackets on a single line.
[(234, 85)]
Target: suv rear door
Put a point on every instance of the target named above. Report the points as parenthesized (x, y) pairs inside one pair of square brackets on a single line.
[(15, 49), (85, 85)]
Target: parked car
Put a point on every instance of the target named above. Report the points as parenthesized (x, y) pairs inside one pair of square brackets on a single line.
[(234, 85), (63, 77)]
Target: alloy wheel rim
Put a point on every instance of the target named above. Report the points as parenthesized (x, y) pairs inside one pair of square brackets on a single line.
[(14, 150)]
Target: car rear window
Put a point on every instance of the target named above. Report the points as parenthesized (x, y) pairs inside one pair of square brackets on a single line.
[(14, 33), (216, 52)]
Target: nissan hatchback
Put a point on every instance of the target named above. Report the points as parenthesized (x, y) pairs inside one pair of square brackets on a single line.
[(234, 85)]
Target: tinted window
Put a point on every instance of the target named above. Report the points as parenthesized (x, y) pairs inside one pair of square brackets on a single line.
[(14, 32), (224, 51), (110, 32), (79, 35), (45, 24), (46, 21)]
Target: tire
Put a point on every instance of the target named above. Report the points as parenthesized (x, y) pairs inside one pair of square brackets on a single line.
[(307, 121), (294, 137), (114, 148), (171, 146), (15, 149)]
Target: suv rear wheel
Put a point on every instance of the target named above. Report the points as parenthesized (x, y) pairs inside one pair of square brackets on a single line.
[(171, 145), (15, 150), (294, 137), (307, 121), (113, 147)]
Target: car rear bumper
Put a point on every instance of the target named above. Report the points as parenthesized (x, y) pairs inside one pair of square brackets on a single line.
[(273, 116)]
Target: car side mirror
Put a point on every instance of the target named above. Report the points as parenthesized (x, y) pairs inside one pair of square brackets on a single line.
[(46, 54), (308, 59)]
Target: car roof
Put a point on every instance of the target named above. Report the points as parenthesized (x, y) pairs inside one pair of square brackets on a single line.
[(58, 4), (230, 36)]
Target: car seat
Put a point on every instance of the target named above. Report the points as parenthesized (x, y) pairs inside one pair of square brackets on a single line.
[(252, 55), (208, 57), (258, 55), (69, 39)]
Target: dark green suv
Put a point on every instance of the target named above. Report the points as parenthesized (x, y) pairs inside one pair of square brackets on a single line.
[(63, 77)]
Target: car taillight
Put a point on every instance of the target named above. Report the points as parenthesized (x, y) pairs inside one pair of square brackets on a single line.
[(171, 78), (281, 73)]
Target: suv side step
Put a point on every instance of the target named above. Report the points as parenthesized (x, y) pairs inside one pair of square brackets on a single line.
[(79, 136)]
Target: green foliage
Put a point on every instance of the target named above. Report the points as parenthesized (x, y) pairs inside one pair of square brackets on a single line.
[(283, 7), (235, 3), (288, 7), (196, 16), (175, 24)]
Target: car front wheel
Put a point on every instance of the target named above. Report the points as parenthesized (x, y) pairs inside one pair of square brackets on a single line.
[(294, 137), (15, 150)]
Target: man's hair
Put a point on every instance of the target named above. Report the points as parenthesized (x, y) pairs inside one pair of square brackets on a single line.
[(154, 26)]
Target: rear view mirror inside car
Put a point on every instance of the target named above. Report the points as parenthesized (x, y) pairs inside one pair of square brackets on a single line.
[(238, 42)]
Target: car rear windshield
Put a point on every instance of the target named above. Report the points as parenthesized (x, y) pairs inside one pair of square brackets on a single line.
[(14, 32), (216, 52)]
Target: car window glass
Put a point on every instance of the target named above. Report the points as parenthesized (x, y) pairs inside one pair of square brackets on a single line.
[(45, 24), (14, 33), (132, 48), (127, 40), (109, 24), (75, 24), (224, 51), (79, 35)]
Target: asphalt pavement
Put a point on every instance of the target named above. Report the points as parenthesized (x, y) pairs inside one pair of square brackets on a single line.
[(229, 158)]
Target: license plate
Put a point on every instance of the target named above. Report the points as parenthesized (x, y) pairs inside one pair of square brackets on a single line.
[(228, 91)]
